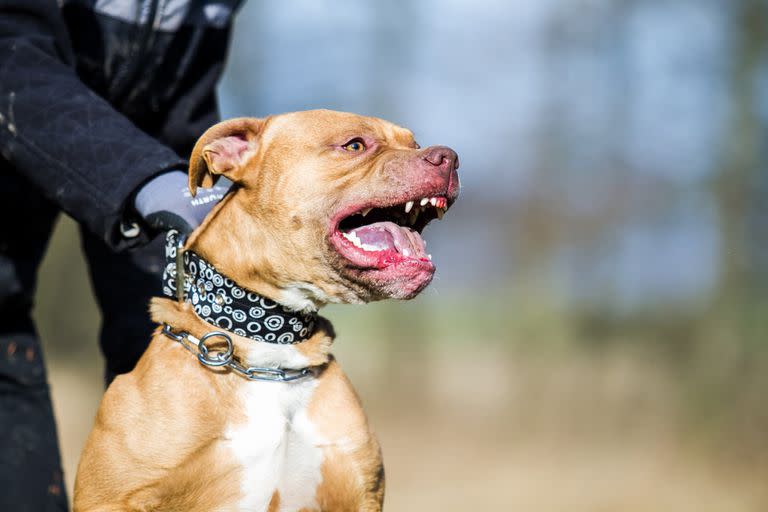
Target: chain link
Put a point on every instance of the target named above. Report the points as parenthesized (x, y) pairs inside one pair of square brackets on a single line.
[(226, 358)]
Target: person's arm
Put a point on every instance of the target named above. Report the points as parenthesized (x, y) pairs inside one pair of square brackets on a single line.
[(79, 151)]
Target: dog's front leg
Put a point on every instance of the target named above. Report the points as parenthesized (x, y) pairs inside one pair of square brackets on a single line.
[(352, 468)]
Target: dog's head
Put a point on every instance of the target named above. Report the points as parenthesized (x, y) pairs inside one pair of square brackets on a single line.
[(327, 206)]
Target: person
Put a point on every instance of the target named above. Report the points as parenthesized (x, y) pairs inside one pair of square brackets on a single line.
[(100, 100)]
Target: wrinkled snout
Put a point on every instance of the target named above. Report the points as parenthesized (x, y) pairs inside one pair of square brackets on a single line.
[(441, 163)]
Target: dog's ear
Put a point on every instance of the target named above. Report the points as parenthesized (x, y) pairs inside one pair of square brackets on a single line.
[(223, 149)]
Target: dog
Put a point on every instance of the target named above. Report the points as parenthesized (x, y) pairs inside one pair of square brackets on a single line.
[(326, 207)]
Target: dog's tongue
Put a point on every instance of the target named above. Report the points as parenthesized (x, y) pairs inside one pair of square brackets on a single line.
[(382, 236)]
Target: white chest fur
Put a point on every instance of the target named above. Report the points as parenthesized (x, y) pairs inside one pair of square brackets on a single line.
[(277, 446)]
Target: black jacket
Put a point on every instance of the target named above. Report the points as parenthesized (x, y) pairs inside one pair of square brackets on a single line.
[(97, 96)]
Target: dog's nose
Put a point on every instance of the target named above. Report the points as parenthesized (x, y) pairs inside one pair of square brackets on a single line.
[(441, 156)]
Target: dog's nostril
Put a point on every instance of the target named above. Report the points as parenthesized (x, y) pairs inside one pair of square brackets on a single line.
[(434, 157), (441, 155)]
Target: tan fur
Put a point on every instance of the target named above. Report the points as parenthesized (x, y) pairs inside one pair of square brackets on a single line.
[(274, 503), (353, 474), (148, 422), (158, 442)]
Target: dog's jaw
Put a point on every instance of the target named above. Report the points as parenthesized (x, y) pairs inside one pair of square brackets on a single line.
[(379, 237)]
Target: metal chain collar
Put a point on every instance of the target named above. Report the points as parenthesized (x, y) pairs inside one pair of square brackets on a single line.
[(226, 358)]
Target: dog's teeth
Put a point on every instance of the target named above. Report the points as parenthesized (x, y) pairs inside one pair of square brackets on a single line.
[(352, 237), (424, 202), (413, 217), (433, 201), (366, 211), (408, 206), (440, 213), (429, 256)]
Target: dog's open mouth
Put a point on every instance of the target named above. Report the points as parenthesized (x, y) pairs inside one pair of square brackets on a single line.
[(376, 237)]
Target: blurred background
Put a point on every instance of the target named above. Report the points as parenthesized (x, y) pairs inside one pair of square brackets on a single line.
[(596, 338)]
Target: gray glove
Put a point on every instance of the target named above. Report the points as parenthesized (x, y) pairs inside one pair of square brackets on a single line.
[(165, 202)]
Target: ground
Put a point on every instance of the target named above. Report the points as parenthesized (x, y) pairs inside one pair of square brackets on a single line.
[(494, 434)]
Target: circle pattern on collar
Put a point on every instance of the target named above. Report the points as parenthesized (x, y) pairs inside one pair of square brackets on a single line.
[(221, 302)]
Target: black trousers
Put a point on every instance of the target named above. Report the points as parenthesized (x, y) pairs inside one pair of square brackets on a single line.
[(30, 467)]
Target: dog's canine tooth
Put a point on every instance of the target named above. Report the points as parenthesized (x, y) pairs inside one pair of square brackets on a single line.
[(408, 206), (429, 256), (424, 202), (366, 211), (440, 213), (414, 216)]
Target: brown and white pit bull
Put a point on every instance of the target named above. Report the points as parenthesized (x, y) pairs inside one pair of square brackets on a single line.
[(327, 207)]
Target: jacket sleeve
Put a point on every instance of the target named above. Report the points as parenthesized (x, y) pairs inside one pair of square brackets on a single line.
[(79, 151)]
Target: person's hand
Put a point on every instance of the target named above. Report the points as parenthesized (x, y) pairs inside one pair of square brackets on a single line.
[(165, 202)]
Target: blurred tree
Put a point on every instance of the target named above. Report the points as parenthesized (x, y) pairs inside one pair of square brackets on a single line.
[(736, 185)]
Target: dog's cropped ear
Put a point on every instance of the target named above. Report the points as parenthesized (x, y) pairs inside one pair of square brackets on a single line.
[(223, 149)]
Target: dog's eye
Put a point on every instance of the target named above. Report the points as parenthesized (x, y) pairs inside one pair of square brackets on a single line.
[(354, 146)]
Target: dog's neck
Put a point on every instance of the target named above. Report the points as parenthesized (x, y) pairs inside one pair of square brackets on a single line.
[(244, 246), (264, 332), (225, 303)]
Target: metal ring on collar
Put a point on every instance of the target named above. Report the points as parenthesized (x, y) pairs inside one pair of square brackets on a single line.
[(210, 358), (215, 358)]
